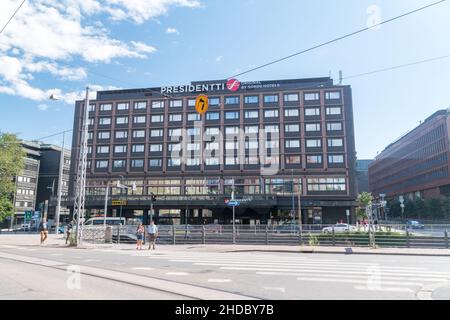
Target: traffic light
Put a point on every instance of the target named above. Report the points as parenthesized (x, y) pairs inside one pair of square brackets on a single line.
[(153, 198)]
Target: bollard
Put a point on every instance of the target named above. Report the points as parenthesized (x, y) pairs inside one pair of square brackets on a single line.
[(446, 239), (203, 235), (108, 234), (173, 235), (267, 235), (408, 245), (334, 239), (300, 237), (118, 234)]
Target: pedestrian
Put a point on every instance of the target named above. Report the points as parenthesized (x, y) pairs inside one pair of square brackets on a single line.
[(140, 231), (152, 230), (68, 231), (43, 229)]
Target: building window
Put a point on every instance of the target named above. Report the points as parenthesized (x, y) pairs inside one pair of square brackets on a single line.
[(251, 114), (214, 101), (333, 95), (156, 133), (120, 149), (138, 133), (312, 96), (176, 117), (140, 105), (232, 115), (138, 148), (293, 160), (157, 104), (313, 143), (92, 108), (310, 112), (314, 159), (174, 162), (312, 127), (139, 119), (272, 129), (123, 106), (271, 99), (293, 97), (91, 121), (251, 145), (155, 163), (175, 132), (156, 148), (231, 100), (272, 144), (193, 117), (103, 135), (119, 163), (212, 146), (231, 161), (333, 111), (212, 131), (232, 145), (292, 144), (231, 130), (326, 184), (193, 146), (122, 120), (104, 121), (106, 107), (251, 99), (101, 164), (176, 103), (193, 132), (174, 147), (90, 135), (193, 161), (292, 128), (191, 102), (252, 160), (121, 134), (271, 114), (291, 113), (103, 149), (336, 143), (338, 159), (334, 126), (251, 129), (212, 161), (213, 116), (157, 119), (137, 163)]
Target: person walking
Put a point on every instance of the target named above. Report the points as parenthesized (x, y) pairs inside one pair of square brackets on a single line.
[(140, 231), (152, 230), (68, 231), (43, 229)]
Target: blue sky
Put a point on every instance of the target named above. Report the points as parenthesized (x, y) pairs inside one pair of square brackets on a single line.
[(215, 40)]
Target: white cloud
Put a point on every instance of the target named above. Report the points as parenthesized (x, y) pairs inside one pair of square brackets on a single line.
[(43, 107), (46, 35), (219, 58), (172, 31)]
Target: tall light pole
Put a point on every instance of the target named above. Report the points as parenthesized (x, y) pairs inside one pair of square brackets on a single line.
[(106, 204), (60, 182), (293, 196)]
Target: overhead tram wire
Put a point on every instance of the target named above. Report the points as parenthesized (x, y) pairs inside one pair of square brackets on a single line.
[(339, 38), (396, 67), (12, 17)]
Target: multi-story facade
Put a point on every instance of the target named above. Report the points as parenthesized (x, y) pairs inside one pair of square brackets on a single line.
[(272, 142), (27, 183), (362, 174), (416, 165)]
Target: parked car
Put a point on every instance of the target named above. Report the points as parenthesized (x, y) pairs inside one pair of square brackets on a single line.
[(109, 221), (213, 228), (25, 227), (340, 228), (412, 224)]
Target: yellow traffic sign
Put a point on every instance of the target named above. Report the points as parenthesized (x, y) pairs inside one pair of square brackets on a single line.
[(202, 104), (119, 202)]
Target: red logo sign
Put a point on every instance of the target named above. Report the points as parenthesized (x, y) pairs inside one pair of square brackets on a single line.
[(233, 85)]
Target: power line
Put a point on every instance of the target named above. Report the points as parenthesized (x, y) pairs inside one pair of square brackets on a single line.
[(338, 39), (12, 17), (397, 67)]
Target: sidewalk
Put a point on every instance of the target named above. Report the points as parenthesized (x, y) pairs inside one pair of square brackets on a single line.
[(57, 241)]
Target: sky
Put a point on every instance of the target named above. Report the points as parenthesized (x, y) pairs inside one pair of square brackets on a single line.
[(60, 47)]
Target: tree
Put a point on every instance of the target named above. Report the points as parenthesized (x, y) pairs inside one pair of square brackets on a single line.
[(395, 210), (364, 200), (433, 208), (11, 164), (446, 208), (419, 208)]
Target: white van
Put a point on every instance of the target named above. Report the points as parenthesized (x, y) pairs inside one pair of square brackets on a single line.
[(109, 221)]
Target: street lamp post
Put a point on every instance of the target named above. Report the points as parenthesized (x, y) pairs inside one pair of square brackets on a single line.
[(60, 181), (106, 204), (293, 196)]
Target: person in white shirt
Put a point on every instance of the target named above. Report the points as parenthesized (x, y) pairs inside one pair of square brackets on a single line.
[(152, 230)]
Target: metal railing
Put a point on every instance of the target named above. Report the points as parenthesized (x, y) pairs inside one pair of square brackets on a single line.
[(387, 236)]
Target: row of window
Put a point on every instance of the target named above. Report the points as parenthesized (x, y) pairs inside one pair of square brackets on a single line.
[(231, 100), (309, 127), (24, 204), (26, 179), (26, 192), (228, 145), (215, 161)]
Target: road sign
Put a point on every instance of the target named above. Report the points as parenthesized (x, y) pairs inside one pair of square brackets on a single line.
[(202, 104), (119, 202), (233, 203), (401, 199), (402, 206)]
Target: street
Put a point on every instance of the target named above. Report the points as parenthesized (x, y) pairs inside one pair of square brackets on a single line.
[(31, 272)]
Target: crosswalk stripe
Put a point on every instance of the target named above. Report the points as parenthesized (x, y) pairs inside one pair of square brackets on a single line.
[(384, 289), (360, 281)]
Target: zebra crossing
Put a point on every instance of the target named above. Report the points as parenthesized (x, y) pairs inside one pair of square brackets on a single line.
[(360, 275)]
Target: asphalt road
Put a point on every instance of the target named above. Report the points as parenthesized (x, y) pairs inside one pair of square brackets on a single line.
[(170, 274)]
